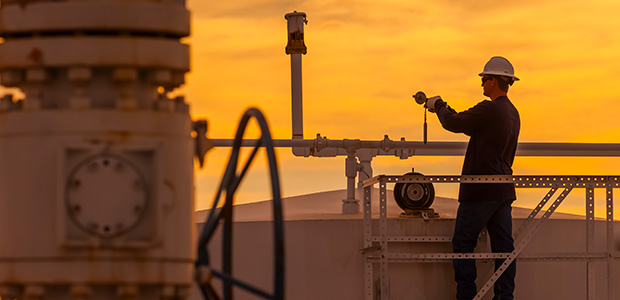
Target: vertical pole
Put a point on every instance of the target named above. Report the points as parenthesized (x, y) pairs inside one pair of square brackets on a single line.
[(368, 277), (351, 173), (590, 241), (365, 161), (296, 47), (351, 205), (227, 287), (297, 97), (383, 265), (364, 168), (611, 281)]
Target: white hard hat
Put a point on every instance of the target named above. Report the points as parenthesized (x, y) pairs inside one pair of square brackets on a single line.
[(500, 66)]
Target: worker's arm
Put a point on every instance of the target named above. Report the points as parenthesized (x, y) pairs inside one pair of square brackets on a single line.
[(467, 121)]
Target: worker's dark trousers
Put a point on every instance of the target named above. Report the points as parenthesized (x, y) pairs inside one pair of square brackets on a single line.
[(470, 220)]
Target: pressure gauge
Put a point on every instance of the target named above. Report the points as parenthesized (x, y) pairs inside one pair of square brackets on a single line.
[(106, 195)]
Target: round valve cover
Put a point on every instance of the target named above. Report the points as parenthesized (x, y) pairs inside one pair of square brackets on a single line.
[(106, 195), (414, 195)]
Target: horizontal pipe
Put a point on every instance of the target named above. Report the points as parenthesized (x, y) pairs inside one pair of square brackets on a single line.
[(386, 147)]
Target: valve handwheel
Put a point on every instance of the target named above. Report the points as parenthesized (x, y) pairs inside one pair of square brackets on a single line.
[(414, 195)]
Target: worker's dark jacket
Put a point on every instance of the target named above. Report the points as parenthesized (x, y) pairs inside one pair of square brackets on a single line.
[(493, 127)]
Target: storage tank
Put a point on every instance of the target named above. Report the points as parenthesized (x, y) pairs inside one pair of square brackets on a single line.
[(96, 176)]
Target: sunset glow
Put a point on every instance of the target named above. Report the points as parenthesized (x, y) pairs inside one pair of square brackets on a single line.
[(366, 58)]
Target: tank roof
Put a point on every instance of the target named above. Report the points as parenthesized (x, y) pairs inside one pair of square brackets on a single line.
[(327, 205)]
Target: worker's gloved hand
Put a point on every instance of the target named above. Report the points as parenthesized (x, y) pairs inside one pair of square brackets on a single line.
[(431, 103)]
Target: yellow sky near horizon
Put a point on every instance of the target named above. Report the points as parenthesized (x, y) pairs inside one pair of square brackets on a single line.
[(366, 58)]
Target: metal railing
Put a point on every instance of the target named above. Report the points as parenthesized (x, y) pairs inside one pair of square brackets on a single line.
[(525, 232)]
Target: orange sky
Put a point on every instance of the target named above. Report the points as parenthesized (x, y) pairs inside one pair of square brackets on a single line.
[(366, 58)]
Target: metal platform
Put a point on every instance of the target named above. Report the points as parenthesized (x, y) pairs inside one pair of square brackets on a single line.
[(376, 246)]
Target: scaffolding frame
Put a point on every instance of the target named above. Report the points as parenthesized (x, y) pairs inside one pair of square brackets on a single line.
[(374, 254)]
